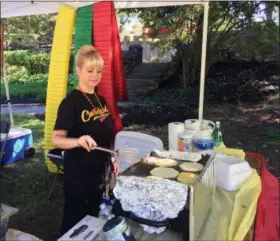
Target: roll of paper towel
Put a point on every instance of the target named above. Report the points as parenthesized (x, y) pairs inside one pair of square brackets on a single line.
[(174, 131)]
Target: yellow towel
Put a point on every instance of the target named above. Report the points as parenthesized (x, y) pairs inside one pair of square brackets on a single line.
[(234, 212), (230, 151), (245, 208), (58, 72)]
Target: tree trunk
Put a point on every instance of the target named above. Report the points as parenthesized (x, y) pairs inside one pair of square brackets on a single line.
[(268, 11)]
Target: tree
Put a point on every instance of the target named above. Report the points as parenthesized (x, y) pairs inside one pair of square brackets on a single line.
[(24, 32), (259, 43), (185, 24)]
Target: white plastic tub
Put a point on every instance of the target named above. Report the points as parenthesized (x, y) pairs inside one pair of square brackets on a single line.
[(231, 172)]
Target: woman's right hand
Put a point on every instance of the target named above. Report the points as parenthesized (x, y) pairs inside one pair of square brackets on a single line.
[(86, 142)]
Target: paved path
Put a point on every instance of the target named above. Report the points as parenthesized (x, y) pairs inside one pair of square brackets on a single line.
[(37, 108), (21, 109)]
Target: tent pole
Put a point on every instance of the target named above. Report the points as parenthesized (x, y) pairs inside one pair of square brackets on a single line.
[(3, 70), (203, 62), (1, 46), (8, 95)]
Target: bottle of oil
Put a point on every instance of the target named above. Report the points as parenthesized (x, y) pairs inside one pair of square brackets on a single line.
[(217, 134)]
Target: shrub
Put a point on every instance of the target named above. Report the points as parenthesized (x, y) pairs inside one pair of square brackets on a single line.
[(24, 79), (260, 42), (17, 58), (16, 70), (34, 63), (37, 63)]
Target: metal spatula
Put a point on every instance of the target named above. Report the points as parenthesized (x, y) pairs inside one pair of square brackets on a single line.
[(124, 154)]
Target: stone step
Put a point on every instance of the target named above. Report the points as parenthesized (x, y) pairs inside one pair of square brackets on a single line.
[(145, 78)]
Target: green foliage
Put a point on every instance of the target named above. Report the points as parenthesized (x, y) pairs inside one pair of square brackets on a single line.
[(35, 24), (22, 86), (16, 70), (25, 79), (24, 32), (185, 23), (17, 58), (33, 63), (22, 41), (259, 42), (37, 63), (241, 81)]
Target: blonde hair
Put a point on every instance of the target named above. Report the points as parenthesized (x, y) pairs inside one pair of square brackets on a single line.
[(88, 52)]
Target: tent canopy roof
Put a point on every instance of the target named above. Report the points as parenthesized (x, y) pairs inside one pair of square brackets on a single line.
[(24, 7)]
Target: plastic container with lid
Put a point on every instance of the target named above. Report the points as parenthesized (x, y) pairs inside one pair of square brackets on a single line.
[(231, 172)]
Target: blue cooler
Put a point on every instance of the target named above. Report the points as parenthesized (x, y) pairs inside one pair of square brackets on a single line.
[(18, 145)]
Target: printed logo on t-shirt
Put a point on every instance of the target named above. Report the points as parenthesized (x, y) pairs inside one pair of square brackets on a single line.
[(95, 114)]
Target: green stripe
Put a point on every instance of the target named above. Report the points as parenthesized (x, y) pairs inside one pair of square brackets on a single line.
[(83, 32)]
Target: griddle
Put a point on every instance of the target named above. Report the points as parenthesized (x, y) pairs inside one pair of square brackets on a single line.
[(179, 224)]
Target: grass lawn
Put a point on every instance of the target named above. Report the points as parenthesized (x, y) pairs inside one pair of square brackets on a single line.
[(36, 215), (20, 90)]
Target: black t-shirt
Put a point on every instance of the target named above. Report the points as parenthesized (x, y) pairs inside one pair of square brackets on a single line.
[(85, 170)]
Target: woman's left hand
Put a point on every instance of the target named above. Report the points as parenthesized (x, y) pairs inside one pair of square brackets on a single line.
[(115, 166)]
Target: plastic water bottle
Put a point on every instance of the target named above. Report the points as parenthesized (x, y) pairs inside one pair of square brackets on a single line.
[(106, 207), (105, 211), (217, 134)]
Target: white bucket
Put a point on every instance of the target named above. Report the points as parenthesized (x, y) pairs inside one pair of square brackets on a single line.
[(192, 128)]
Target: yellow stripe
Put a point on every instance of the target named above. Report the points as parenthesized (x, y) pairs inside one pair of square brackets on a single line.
[(58, 72)]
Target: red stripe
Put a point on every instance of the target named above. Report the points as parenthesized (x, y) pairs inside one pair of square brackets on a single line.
[(107, 42)]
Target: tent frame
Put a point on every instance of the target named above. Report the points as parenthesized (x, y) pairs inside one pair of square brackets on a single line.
[(202, 73)]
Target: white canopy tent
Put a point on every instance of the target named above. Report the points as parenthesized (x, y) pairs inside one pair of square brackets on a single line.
[(24, 7)]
